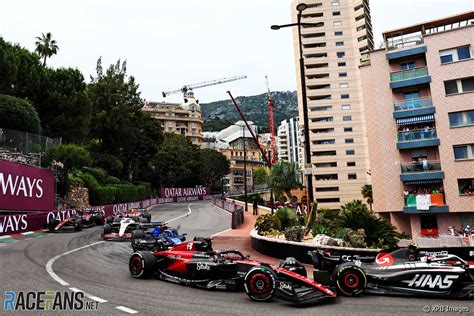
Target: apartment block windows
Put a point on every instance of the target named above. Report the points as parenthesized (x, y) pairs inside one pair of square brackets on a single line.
[(459, 85), (343, 74), (349, 140), (351, 164), (347, 129), (338, 33), (335, 3), (343, 85), (350, 152), (347, 118), (345, 107), (336, 13), (320, 177), (352, 176), (327, 189), (462, 152), (455, 54), (341, 54), (328, 200), (341, 64), (341, 43), (337, 23), (464, 118), (407, 65), (344, 96), (465, 186)]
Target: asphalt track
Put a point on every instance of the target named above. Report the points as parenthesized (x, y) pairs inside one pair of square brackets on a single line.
[(101, 271)]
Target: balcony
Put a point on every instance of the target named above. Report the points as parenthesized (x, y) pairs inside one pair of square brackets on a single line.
[(409, 77), (406, 51), (417, 139), (404, 42), (417, 204), (413, 107)]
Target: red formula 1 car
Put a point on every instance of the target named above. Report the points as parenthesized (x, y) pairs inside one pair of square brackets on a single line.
[(78, 221), (196, 263)]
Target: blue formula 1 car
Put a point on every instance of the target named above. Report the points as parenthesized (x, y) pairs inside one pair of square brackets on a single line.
[(155, 236)]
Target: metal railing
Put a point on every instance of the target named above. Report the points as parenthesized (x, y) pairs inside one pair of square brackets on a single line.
[(409, 74), (415, 136), (404, 42), (412, 104), (416, 166)]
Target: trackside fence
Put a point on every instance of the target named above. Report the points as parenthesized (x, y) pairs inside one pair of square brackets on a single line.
[(236, 211)]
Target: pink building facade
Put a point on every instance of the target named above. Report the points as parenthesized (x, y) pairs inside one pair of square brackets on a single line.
[(419, 99)]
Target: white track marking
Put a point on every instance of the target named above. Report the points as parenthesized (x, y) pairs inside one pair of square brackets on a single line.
[(49, 265), (223, 211), (75, 289), (187, 214), (27, 233), (126, 309), (92, 297)]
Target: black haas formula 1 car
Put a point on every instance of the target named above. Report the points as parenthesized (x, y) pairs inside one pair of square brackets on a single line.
[(155, 236), (141, 215), (398, 272), (78, 221), (196, 263)]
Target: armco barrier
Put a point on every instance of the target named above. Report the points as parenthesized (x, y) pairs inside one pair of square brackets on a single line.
[(11, 224), (236, 211)]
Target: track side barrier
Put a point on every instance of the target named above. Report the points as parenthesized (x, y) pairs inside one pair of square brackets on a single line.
[(236, 211)]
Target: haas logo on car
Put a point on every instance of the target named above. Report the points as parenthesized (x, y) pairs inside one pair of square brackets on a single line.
[(432, 281), (384, 259)]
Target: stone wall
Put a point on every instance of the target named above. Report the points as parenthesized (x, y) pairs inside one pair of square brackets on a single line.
[(77, 197)]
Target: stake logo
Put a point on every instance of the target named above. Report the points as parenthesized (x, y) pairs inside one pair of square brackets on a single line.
[(432, 281)]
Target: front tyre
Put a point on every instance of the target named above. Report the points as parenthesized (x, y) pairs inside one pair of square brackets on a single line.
[(350, 279), (259, 284), (142, 264)]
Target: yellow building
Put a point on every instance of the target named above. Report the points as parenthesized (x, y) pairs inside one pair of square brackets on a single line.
[(184, 119)]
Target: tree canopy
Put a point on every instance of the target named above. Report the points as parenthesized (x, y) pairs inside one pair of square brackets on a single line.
[(46, 46), (18, 114)]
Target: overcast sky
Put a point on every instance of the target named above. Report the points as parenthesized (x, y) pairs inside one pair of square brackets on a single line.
[(169, 43)]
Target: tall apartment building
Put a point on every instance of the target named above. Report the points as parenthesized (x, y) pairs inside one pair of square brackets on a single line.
[(184, 119), (419, 99), (288, 141), (332, 53)]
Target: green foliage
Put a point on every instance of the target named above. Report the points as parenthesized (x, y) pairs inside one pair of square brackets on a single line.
[(287, 217), (112, 180), (75, 181), (261, 176), (70, 155), (284, 178), (355, 238), (311, 217), (98, 173), (294, 233), (18, 114), (214, 165), (250, 198), (328, 214), (355, 215), (271, 233), (46, 46), (319, 228), (110, 163), (217, 114), (88, 179), (367, 194), (266, 223)]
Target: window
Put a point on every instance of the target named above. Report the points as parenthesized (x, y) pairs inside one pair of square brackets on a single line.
[(345, 107), (459, 85), (325, 164), (352, 176), (321, 108), (336, 13), (465, 186), (340, 43), (344, 96), (328, 189), (320, 177), (454, 54), (347, 118), (350, 152), (343, 74), (341, 64), (324, 142), (339, 33), (428, 223), (337, 23), (328, 200), (341, 54), (324, 153), (349, 140), (322, 119), (344, 85), (407, 65), (335, 3), (347, 129), (351, 163), (360, 28), (465, 118), (462, 152), (323, 130)]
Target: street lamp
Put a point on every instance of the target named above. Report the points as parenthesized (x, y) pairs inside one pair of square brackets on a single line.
[(300, 8), (245, 168)]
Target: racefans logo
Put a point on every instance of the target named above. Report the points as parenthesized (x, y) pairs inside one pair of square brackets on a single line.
[(47, 301), (432, 281)]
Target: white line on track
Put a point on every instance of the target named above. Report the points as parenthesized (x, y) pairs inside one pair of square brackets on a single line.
[(187, 214), (27, 233), (126, 309), (92, 297)]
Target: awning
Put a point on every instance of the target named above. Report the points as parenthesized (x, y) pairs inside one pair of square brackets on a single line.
[(424, 181), (415, 119)]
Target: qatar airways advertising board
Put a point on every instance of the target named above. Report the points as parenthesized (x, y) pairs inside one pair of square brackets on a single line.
[(185, 194), (24, 188)]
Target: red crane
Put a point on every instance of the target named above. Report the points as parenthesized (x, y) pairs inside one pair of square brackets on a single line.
[(271, 124)]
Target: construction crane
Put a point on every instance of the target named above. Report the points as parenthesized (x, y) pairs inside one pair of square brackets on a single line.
[(203, 84), (271, 124)]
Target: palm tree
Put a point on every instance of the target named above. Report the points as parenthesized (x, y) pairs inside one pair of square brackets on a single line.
[(46, 46), (284, 178), (367, 194)]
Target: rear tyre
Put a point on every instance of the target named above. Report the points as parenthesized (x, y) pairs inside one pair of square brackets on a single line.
[(110, 219), (52, 225), (147, 216), (259, 284), (78, 225), (350, 279), (107, 229), (137, 234), (99, 219), (142, 264)]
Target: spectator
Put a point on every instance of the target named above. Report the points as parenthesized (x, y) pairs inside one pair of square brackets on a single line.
[(255, 206)]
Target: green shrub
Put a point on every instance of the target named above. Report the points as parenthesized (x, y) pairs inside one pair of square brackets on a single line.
[(110, 163), (102, 195), (319, 228), (266, 223), (272, 233), (112, 180), (294, 233), (18, 114), (75, 181), (287, 217), (355, 238), (88, 180), (98, 173)]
